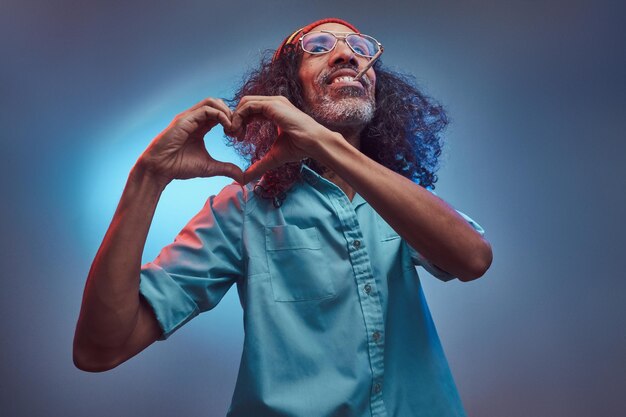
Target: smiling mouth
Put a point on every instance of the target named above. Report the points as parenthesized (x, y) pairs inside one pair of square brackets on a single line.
[(343, 75), (345, 81)]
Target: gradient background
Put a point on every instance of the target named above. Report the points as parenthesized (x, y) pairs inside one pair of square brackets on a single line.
[(535, 153)]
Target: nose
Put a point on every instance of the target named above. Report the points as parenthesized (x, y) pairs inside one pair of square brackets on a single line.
[(342, 54)]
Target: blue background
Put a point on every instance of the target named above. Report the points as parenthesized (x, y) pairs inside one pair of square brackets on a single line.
[(535, 153)]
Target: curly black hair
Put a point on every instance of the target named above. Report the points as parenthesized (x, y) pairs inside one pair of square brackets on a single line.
[(404, 134)]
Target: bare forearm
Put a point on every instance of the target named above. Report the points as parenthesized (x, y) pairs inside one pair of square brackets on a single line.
[(425, 221), (111, 303), (115, 322)]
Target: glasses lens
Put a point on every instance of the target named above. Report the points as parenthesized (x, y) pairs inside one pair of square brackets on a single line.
[(318, 43), (363, 44)]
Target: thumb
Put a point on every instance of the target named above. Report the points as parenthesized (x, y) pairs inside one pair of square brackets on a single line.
[(260, 167), (225, 169)]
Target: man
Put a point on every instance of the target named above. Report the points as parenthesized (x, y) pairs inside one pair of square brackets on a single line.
[(323, 248)]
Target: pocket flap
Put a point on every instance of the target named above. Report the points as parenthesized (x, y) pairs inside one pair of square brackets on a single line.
[(291, 237), (386, 232)]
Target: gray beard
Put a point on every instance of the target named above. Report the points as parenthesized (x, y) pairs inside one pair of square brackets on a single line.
[(350, 110)]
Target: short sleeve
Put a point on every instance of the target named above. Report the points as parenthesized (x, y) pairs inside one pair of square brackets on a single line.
[(192, 274), (435, 271)]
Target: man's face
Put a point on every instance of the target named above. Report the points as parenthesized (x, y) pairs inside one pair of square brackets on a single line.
[(330, 99)]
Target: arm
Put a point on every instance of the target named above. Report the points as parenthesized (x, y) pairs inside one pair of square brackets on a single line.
[(115, 323), (425, 221)]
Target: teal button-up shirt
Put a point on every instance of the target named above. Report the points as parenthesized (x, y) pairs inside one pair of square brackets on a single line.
[(335, 319)]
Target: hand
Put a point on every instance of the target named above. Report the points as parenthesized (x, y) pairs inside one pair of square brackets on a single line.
[(298, 133), (179, 151)]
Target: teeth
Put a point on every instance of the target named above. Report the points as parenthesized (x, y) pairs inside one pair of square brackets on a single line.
[(343, 79)]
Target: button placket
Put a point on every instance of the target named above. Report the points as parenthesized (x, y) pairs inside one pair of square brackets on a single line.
[(369, 298)]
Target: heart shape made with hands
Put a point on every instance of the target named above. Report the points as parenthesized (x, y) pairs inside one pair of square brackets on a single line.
[(188, 152), (291, 126), (182, 151)]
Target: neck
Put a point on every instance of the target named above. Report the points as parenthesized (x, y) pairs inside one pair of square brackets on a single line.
[(353, 137), (352, 134)]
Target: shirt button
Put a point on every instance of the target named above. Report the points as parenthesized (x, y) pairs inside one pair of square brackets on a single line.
[(367, 288), (377, 388), (356, 244), (376, 336)]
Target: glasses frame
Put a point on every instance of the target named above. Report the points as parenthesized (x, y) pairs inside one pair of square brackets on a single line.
[(341, 36), (344, 36)]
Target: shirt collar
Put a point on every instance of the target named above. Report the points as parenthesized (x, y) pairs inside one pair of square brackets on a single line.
[(317, 181)]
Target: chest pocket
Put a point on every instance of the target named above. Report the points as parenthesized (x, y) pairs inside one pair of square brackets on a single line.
[(296, 264), (391, 249), (385, 231)]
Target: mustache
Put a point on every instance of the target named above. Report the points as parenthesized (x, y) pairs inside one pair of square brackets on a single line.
[(325, 76)]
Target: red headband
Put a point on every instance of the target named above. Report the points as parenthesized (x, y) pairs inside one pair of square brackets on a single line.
[(295, 36)]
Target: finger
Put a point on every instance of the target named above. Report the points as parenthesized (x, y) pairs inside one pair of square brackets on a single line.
[(260, 167), (249, 109), (241, 132), (248, 99), (211, 102), (260, 98), (223, 107), (226, 169), (203, 119)]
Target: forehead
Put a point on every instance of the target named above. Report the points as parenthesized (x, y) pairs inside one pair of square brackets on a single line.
[(333, 27)]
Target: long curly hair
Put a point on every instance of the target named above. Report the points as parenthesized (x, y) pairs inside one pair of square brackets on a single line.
[(404, 134)]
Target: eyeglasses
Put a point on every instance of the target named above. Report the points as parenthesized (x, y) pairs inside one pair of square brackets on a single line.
[(322, 42)]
